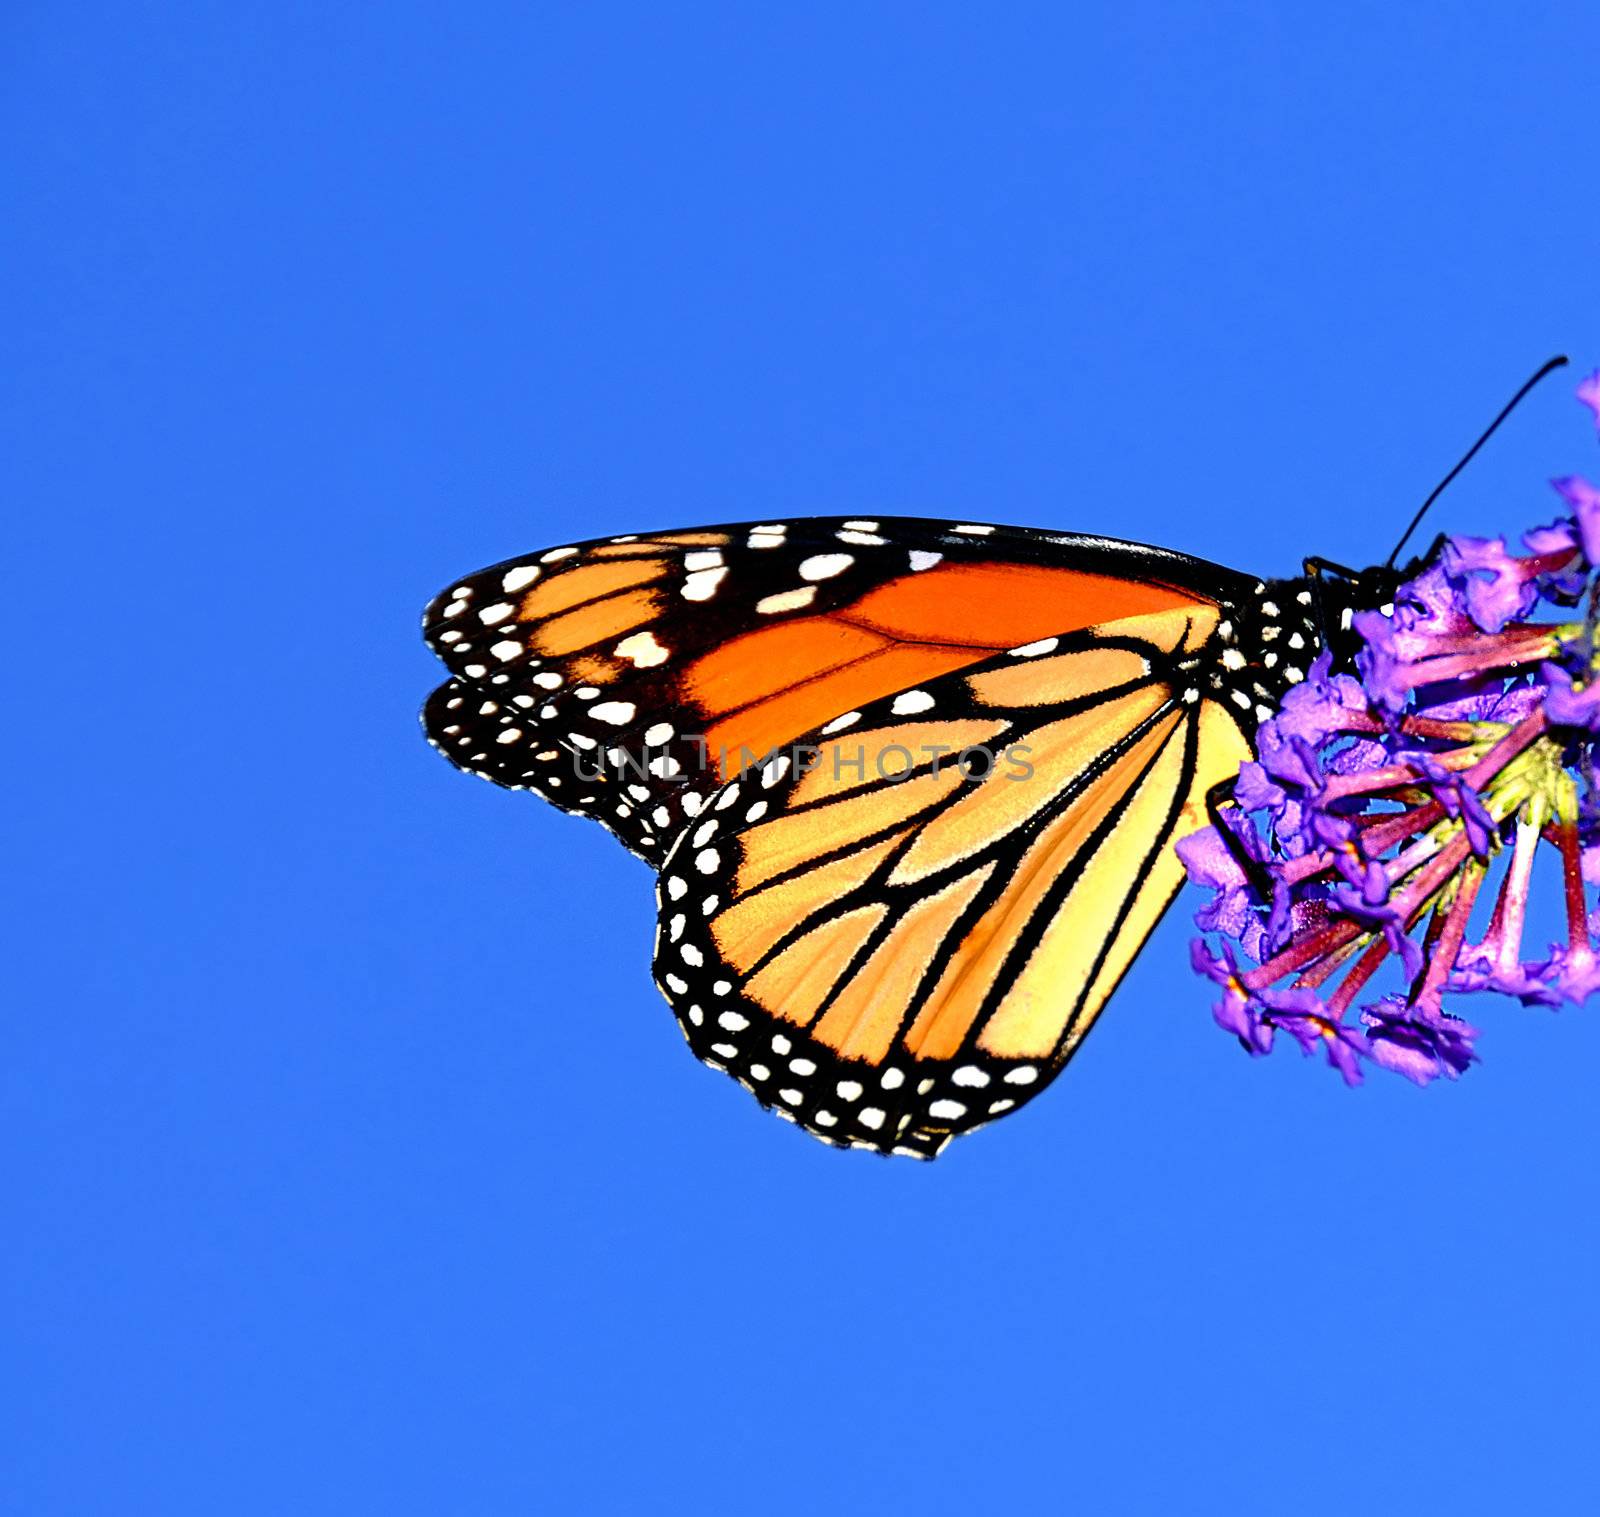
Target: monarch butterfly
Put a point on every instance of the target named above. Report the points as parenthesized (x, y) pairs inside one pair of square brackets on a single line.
[(888, 952), (911, 787)]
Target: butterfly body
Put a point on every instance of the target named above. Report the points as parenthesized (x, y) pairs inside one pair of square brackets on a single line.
[(911, 786)]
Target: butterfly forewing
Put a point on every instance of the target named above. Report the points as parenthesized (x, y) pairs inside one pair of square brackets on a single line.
[(625, 678)]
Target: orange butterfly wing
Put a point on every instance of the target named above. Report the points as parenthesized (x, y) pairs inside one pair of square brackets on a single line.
[(624, 678), (889, 949)]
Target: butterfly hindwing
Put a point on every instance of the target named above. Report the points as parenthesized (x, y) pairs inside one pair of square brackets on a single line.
[(902, 926)]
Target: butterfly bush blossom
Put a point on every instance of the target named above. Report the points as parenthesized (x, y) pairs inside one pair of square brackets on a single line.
[(1393, 826)]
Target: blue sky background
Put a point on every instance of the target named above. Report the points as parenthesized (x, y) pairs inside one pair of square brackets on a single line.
[(350, 1161)]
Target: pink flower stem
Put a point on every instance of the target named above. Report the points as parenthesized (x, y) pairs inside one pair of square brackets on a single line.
[(1388, 778), (1391, 777), (1324, 969), (1518, 738), (1508, 646), (1432, 670), (1572, 880), (1364, 724), (1424, 726), (1512, 908), (1548, 563), (1385, 834), (1448, 944), (1366, 967), (1297, 955)]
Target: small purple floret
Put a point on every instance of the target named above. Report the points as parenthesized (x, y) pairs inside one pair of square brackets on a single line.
[(1589, 393), (1585, 502), (1418, 1042), (1495, 585)]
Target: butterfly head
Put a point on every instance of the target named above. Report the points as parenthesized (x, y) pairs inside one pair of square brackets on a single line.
[(1339, 594), (1271, 637)]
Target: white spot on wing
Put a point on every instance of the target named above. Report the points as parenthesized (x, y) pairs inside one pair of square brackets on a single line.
[(1033, 650), (786, 600), (825, 565), (702, 584), (642, 650)]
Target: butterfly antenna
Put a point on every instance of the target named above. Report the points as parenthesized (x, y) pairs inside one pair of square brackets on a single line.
[(1466, 458)]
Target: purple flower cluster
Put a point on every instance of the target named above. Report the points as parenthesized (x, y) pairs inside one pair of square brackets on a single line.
[(1362, 837)]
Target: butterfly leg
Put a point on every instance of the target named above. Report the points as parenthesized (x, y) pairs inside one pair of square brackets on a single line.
[(1316, 568), (1217, 796), (1339, 592)]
